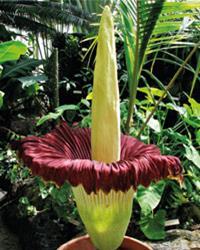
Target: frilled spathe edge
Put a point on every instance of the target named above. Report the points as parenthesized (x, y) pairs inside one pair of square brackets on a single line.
[(65, 155)]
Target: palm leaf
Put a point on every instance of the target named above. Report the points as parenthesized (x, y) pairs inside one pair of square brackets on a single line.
[(149, 26), (44, 14), (138, 19), (23, 23), (20, 67), (93, 8)]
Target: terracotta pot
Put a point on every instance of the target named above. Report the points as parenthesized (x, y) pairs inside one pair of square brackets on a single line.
[(84, 243)]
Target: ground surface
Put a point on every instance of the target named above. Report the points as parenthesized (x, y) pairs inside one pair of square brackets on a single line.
[(8, 241), (179, 240)]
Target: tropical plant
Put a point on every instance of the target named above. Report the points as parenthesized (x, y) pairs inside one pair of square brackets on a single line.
[(151, 26), (180, 139), (94, 8), (103, 167), (42, 20), (19, 86), (43, 17), (11, 50)]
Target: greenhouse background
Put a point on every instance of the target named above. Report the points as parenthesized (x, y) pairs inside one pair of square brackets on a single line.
[(48, 55)]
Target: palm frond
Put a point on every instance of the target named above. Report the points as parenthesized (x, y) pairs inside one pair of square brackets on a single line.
[(93, 8), (45, 13), (152, 25), (178, 19), (20, 67), (25, 24)]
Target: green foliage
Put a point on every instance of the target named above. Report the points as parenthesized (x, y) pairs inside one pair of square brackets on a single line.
[(69, 112), (60, 199), (28, 81), (149, 198), (180, 139), (9, 167), (19, 84), (92, 8), (41, 16), (21, 67), (147, 27), (1, 98), (57, 114), (25, 207), (10, 51), (193, 155), (195, 108), (153, 226)]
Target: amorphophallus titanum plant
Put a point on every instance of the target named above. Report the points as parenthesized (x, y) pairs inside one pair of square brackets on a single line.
[(103, 166)]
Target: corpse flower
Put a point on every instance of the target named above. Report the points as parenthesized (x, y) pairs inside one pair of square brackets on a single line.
[(103, 166)]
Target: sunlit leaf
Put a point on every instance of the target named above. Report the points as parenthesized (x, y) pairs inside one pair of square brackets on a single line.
[(1, 98), (47, 117), (65, 107), (58, 112), (193, 155), (89, 96), (154, 124), (30, 80), (150, 197), (195, 107), (187, 108), (11, 50), (193, 121), (198, 136), (179, 109), (153, 225), (151, 93)]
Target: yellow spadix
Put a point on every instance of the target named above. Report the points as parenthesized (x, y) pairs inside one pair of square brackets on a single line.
[(106, 216), (105, 137)]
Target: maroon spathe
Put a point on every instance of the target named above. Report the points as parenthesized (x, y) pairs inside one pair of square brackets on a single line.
[(65, 155)]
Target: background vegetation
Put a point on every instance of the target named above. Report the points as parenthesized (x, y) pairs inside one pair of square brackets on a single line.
[(49, 77)]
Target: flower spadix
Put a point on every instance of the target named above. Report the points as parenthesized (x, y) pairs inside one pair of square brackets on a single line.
[(105, 215), (103, 167), (105, 136)]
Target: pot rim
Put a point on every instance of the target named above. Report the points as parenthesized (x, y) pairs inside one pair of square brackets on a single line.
[(87, 237)]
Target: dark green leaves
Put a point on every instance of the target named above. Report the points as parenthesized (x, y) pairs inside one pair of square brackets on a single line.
[(28, 81), (153, 225), (20, 67), (42, 16), (58, 113), (148, 199)]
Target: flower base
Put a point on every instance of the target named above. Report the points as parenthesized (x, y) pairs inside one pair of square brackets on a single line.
[(84, 243)]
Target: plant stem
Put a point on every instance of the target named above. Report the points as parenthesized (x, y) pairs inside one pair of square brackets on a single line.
[(133, 87), (168, 87), (53, 79), (195, 75), (52, 71)]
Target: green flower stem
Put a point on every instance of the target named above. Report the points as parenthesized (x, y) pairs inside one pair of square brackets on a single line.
[(106, 216)]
